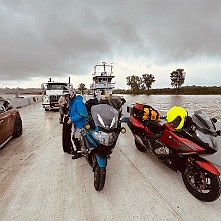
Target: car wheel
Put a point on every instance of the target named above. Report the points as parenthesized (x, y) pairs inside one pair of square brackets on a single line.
[(17, 128)]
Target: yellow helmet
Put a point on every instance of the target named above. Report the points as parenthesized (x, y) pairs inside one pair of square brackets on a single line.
[(176, 116)]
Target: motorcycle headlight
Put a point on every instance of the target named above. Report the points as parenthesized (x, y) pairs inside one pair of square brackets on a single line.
[(106, 139)]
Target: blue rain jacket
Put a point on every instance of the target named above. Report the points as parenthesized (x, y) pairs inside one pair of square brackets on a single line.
[(76, 106)]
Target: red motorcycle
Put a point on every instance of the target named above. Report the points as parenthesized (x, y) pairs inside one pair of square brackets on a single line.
[(182, 150)]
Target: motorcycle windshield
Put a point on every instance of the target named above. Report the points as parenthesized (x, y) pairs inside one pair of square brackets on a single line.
[(203, 120), (206, 130), (105, 116)]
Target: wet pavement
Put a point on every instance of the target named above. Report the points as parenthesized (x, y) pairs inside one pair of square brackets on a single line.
[(41, 182)]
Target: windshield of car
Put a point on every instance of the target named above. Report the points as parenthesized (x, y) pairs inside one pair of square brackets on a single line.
[(105, 116)]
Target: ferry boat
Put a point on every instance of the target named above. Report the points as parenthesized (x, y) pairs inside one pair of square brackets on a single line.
[(102, 77)]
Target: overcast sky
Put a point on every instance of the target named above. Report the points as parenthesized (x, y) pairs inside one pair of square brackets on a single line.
[(53, 38)]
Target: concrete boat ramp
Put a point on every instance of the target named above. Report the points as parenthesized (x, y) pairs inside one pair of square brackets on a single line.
[(40, 182)]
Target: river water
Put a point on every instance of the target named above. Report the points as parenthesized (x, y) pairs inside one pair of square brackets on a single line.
[(211, 104)]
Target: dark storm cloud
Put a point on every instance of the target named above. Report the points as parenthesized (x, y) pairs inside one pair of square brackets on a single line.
[(40, 37)]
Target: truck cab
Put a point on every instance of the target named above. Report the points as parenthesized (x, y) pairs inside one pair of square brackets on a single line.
[(51, 92)]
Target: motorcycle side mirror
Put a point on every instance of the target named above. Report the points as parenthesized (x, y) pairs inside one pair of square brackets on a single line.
[(214, 120)]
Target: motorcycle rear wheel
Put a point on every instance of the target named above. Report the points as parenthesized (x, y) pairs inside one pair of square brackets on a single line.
[(99, 177), (202, 184)]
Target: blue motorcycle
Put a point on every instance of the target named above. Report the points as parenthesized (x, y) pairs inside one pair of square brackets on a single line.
[(100, 135)]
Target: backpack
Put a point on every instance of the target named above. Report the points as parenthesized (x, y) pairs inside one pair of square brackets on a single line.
[(145, 112), (149, 113)]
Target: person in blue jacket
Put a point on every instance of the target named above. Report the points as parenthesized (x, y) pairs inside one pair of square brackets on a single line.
[(78, 117)]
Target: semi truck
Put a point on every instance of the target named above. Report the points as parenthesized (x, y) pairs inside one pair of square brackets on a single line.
[(51, 92)]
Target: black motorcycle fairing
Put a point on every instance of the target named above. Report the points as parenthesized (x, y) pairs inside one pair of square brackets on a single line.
[(206, 130), (203, 121)]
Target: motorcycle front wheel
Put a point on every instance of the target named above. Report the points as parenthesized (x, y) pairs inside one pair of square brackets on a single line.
[(99, 177), (202, 184)]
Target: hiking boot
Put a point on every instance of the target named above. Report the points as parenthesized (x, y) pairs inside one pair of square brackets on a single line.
[(75, 151), (76, 156), (72, 152)]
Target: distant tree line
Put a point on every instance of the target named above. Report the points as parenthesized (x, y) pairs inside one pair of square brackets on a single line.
[(188, 90), (138, 84)]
